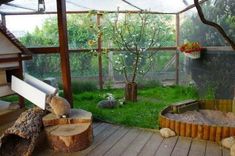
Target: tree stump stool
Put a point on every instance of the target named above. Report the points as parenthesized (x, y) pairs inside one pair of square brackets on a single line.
[(69, 134)]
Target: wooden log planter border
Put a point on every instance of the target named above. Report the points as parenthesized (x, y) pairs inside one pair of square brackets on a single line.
[(201, 131)]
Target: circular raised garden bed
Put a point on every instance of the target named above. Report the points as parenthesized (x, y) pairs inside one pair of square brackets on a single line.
[(198, 130)]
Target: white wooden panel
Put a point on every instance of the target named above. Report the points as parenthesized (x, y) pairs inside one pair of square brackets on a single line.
[(6, 46), (29, 92), (9, 65), (9, 56), (44, 87), (5, 90)]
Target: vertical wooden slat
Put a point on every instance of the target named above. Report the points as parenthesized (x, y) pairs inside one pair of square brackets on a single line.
[(20, 75), (218, 134), (225, 132), (206, 132), (229, 108), (63, 46), (177, 127), (200, 131), (177, 44), (188, 130), (232, 131), (163, 122), (100, 52), (233, 106), (182, 129), (167, 123), (194, 130), (172, 124), (212, 133)]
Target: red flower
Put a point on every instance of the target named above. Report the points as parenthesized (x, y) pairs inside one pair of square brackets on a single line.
[(190, 47)]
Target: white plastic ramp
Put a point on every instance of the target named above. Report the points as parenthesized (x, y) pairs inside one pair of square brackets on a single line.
[(29, 92), (44, 87)]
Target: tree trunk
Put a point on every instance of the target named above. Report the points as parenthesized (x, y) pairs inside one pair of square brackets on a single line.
[(21, 138), (131, 91), (69, 134)]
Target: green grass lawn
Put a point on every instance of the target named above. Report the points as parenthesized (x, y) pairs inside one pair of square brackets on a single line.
[(143, 113)]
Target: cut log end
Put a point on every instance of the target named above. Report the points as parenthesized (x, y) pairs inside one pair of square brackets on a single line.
[(75, 116)]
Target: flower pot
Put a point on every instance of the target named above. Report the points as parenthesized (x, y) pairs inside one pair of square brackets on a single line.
[(193, 55), (131, 91)]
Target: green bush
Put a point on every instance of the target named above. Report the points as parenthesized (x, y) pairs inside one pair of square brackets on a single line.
[(148, 84), (83, 86)]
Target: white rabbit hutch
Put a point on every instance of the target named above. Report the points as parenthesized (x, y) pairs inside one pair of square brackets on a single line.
[(12, 53)]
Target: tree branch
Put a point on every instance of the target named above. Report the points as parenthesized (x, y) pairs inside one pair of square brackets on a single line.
[(215, 25)]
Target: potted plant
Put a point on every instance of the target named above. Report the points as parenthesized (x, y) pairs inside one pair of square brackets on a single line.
[(191, 49)]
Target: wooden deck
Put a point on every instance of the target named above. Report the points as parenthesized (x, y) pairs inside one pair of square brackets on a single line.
[(113, 140)]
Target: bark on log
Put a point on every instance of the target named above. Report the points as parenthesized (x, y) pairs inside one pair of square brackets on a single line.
[(69, 134), (21, 138), (131, 91)]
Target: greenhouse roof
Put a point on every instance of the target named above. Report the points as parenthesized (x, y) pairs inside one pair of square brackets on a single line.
[(162, 6)]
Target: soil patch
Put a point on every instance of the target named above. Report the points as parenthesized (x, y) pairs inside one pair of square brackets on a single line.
[(212, 117)]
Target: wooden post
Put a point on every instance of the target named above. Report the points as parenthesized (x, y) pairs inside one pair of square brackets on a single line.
[(100, 52), (3, 18), (20, 75), (63, 46), (177, 44)]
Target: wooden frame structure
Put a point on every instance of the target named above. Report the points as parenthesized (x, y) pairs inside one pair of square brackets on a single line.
[(63, 41)]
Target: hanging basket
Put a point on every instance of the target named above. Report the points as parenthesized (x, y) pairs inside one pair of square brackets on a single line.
[(193, 55)]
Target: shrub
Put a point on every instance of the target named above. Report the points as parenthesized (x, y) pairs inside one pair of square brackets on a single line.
[(82, 86), (148, 84)]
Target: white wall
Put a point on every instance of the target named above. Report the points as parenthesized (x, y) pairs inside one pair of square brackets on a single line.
[(6, 47)]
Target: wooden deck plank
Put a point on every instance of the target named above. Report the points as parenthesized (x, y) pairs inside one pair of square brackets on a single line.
[(167, 146), (135, 147), (99, 128), (110, 129), (213, 149), (112, 140), (198, 148), (96, 124), (109, 142), (182, 147), (226, 152), (152, 145), (121, 145)]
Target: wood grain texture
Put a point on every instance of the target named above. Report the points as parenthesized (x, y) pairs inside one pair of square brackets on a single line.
[(100, 138), (135, 147), (166, 147), (152, 145), (182, 147), (213, 149), (75, 116), (109, 142), (119, 147), (198, 148)]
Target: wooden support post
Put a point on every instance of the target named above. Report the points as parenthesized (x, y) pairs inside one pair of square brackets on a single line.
[(3, 18), (177, 44), (63, 47), (100, 52), (20, 75)]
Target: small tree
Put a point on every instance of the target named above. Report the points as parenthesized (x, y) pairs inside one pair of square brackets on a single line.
[(135, 35)]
